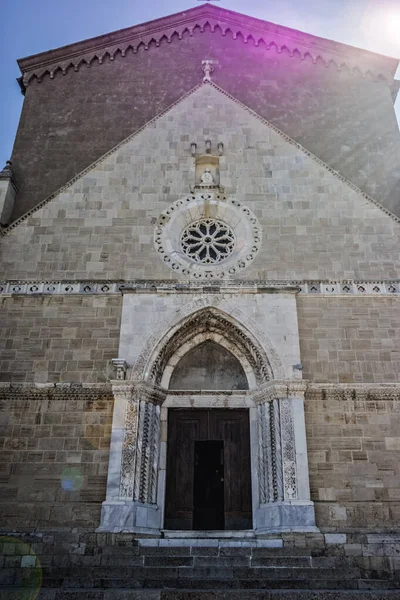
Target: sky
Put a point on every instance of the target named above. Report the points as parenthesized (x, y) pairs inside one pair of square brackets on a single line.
[(31, 26)]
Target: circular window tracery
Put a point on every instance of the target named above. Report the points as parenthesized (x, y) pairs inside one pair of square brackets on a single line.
[(208, 241), (187, 242)]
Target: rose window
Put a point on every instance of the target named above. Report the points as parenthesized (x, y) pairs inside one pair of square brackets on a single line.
[(208, 241)]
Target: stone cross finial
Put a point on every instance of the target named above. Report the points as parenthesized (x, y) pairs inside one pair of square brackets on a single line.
[(207, 69)]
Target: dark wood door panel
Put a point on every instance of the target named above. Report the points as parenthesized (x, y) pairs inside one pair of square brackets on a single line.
[(184, 428), (187, 426), (232, 426)]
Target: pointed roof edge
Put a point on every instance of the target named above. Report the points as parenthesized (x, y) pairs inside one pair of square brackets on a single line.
[(73, 55), (288, 139)]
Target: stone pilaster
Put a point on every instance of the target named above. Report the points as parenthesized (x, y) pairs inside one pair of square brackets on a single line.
[(131, 503), (284, 496)]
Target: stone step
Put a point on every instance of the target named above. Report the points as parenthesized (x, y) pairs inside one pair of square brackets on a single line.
[(204, 578), (174, 594)]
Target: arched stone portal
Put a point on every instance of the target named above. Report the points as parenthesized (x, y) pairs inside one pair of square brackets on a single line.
[(271, 411)]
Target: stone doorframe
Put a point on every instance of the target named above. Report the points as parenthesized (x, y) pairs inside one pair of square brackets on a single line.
[(138, 451)]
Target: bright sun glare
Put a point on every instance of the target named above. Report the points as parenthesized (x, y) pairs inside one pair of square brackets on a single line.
[(382, 24)]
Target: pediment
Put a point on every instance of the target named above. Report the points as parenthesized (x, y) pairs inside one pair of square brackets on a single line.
[(245, 29), (214, 90)]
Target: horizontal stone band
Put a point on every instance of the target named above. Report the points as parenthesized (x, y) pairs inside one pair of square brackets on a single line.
[(65, 288)]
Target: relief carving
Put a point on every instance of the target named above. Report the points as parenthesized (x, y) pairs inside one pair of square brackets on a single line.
[(140, 452), (129, 447), (288, 450)]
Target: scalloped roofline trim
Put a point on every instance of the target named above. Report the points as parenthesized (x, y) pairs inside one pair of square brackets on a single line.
[(259, 32), (288, 139)]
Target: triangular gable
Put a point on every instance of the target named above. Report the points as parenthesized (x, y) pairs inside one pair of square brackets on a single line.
[(155, 119), (228, 22), (104, 225)]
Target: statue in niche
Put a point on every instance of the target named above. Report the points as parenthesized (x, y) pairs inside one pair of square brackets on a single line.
[(207, 178)]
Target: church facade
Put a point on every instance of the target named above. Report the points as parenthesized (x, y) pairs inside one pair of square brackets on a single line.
[(199, 285)]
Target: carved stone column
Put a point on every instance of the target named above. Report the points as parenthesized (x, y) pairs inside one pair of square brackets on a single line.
[(284, 494), (131, 502)]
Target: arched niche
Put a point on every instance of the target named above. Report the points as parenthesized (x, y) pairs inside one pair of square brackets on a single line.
[(209, 324), (208, 366)]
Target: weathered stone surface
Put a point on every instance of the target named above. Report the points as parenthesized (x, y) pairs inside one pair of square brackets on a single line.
[(102, 226), (348, 339), (353, 473), (61, 487), (64, 339), (344, 119)]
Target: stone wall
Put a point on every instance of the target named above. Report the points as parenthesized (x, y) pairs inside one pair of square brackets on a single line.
[(349, 339), (54, 455), (102, 227), (354, 456), (55, 449), (59, 339), (344, 119)]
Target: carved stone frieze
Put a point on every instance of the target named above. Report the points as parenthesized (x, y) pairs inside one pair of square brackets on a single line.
[(270, 454), (129, 444), (290, 388), (140, 451), (88, 288), (352, 392), (277, 450), (288, 450), (147, 453)]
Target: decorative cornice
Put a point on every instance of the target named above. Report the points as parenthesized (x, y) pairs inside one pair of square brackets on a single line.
[(109, 288), (272, 390), (166, 111), (242, 27), (55, 386), (360, 392)]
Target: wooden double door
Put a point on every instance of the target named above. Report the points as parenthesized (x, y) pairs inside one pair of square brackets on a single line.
[(208, 470)]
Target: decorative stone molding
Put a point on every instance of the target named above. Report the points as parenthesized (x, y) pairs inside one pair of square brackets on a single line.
[(268, 36), (147, 452), (288, 450), (279, 389), (141, 443), (130, 441), (311, 288), (282, 459), (353, 392), (203, 321)]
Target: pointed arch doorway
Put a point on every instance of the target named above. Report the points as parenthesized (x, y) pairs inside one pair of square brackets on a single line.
[(237, 380), (208, 457)]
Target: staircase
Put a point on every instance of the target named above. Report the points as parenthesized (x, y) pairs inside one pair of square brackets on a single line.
[(118, 567)]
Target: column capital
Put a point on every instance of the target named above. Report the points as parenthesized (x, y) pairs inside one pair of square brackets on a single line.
[(279, 389)]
